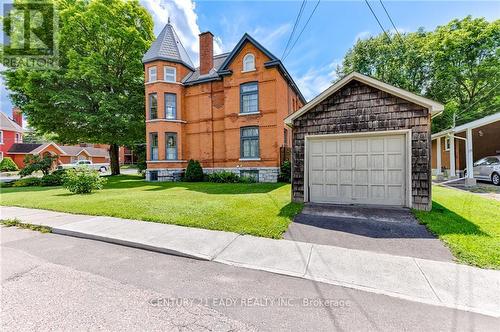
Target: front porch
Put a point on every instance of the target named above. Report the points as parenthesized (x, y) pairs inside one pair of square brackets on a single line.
[(455, 150)]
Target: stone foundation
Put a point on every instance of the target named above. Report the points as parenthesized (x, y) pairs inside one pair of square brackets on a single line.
[(265, 174)]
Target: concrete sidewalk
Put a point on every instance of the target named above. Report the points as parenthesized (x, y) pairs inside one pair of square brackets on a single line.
[(438, 283)]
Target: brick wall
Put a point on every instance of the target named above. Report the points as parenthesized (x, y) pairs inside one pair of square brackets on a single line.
[(358, 107)]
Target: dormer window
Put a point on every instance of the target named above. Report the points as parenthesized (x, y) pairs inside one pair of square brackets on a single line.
[(169, 74), (152, 74), (249, 62)]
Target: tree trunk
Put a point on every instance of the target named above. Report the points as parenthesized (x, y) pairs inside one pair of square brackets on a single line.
[(114, 158)]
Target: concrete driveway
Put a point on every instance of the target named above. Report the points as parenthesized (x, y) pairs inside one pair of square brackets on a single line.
[(385, 230)]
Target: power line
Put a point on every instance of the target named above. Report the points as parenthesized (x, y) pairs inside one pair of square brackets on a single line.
[(380, 24), (297, 19), (390, 19), (303, 28)]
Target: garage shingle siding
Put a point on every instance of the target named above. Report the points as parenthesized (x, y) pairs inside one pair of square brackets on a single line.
[(358, 107)]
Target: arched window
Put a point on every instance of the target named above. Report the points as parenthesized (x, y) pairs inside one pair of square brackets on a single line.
[(249, 62)]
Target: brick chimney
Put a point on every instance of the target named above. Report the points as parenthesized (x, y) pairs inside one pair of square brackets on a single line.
[(17, 116), (206, 52)]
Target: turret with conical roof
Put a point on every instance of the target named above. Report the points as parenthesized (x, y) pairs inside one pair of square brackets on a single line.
[(168, 47)]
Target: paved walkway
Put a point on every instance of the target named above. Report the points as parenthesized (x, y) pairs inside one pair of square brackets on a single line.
[(432, 282)]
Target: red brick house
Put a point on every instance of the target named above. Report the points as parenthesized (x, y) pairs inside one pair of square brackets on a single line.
[(66, 153), (227, 113), (11, 131)]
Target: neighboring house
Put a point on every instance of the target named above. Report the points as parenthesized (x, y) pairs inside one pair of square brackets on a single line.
[(484, 135), (362, 141), (227, 113), (11, 131), (66, 154)]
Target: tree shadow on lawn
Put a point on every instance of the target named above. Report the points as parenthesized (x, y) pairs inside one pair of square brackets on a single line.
[(291, 210), (442, 221), (136, 182)]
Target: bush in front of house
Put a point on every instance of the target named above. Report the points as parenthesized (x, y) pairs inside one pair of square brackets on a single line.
[(223, 177), (55, 178), (285, 172), (35, 163), (194, 172), (248, 179), (83, 181), (8, 165), (27, 182), (229, 177)]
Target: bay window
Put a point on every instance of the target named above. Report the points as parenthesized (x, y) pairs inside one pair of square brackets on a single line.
[(171, 146)]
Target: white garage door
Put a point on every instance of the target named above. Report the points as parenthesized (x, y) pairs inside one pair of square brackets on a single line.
[(362, 170)]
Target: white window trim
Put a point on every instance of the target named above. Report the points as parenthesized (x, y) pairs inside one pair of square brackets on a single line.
[(250, 159), (165, 74), (244, 58), (149, 74), (446, 144), (1, 136)]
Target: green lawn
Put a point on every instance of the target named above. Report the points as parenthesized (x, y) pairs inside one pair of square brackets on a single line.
[(467, 223), (262, 209)]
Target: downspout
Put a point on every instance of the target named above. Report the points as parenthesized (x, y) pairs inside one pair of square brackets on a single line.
[(212, 123)]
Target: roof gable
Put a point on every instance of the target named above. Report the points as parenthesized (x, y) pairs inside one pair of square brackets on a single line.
[(245, 39), (168, 47), (7, 123), (434, 107), (45, 146), (273, 62)]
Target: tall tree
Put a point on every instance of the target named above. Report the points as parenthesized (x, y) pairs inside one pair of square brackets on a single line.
[(97, 94), (457, 64)]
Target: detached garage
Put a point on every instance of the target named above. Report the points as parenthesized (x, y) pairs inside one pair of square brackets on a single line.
[(363, 141)]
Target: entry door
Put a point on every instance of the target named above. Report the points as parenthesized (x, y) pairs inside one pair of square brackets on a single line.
[(358, 170)]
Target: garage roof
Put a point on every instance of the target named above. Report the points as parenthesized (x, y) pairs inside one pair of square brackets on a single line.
[(434, 107)]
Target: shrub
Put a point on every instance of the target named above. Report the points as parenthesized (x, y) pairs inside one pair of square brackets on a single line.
[(285, 172), (223, 177), (56, 178), (8, 165), (27, 182), (83, 180), (35, 163), (248, 179), (194, 172)]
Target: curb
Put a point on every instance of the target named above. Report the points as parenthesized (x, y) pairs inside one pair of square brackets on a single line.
[(306, 275)]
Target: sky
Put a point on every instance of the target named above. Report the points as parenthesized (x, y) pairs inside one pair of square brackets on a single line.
[(331, 31)]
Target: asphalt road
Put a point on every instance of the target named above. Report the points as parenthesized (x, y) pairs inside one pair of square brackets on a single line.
[(53, 282)]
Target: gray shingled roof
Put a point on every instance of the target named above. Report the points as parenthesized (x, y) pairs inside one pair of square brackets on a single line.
[(195, 76), (168, 46)]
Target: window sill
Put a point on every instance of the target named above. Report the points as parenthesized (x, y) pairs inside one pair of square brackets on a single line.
[(250, 159), (249, 71), (245, 114), (165, 120), (161, 81), (167, 161)]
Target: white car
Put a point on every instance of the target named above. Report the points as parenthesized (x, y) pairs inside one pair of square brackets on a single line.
[(487, 169), (85, 163)]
